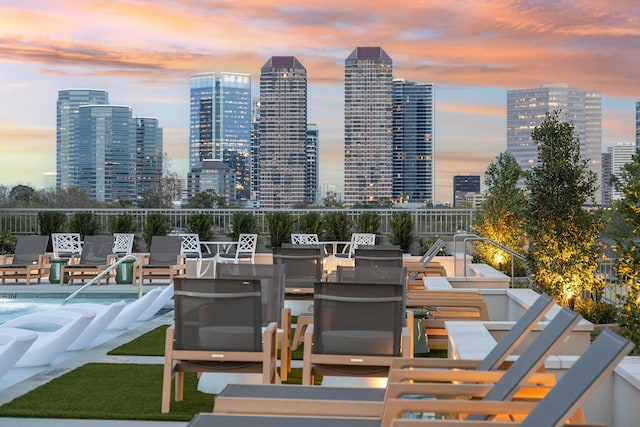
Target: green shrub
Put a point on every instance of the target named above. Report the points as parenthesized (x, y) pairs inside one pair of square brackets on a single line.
[(124, 223), (85, 223), (200, 224), (280, 227), (242, 222), (310, 223), (402, 230), (157, 224), (369, 222), (7, 242), (51, 222), (599, 312), (337, 226)]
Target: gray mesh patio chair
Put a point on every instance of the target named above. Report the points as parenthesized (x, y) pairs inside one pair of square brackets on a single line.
[(378, 256), (367, 274), (304, 268), (164, 260), (272, 278), (97, 254), (357, 330), (29, 260), (217, 328)]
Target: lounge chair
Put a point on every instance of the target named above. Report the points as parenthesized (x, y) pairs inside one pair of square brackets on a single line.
[(217, 328), (507, 384), (562, 402), (56, 330), (104, 316), (358, 328), (164, 259), (425, 266), (14, 342), (304, 268), (134, 310), (157, 304), (378, 256), (97, 254), (28, 260), (272, 278), (245, 398)]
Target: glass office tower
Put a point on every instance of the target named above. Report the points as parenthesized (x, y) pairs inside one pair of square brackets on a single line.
[(527, 108), (220, 117), (149, 155), (67, 113), (413, 142), (106, 153), (283, 132), (368, 145)]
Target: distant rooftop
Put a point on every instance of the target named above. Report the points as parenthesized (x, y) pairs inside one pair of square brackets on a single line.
[(371, 53), (283, 62)]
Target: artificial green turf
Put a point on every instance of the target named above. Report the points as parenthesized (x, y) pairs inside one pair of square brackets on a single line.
[(149, 344)]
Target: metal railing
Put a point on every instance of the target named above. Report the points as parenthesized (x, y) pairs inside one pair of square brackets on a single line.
[(474, 237), (106, 271)]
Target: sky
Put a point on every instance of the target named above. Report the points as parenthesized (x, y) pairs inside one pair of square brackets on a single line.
[(144, 51)]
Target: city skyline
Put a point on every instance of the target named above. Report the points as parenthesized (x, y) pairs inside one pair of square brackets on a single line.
[(145, 52)]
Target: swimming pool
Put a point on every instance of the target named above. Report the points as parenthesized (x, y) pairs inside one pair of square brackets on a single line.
[(13, 307)]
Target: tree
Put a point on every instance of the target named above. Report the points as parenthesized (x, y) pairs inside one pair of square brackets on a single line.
[(501, 214), (402, 230), (564, 246), (22, 195), (280, 227), (627, 264), (205, 200)]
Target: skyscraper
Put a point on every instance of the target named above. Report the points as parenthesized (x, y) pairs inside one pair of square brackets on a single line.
[(413, 143), (638, 124), (465, 187), (527, 108), (311, 165), (220, 117), (621, 154), (106, 152), (283, 132), (67, 112), (368, 144), (149, 155)]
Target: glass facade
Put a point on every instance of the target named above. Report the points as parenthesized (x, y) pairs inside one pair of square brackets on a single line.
[(413, 141), (311, 166), (149, 155), (527, 108), (220, 117), (283, 132), (368, 145), (106, 153), (67, 116)]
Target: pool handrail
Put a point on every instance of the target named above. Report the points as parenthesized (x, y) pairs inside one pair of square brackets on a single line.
[(106, 271)]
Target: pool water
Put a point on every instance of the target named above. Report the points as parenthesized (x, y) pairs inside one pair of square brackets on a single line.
[(11, 308)]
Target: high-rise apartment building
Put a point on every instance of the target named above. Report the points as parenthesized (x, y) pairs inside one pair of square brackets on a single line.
[(527, 108), (638, 124), (368, 145), (106, 153), (607, 186), (621, 154), (283, 132), (465, 188), (255, 150), (149, 156), (220, 117), (67, 114), (311, 165), (413, 142)]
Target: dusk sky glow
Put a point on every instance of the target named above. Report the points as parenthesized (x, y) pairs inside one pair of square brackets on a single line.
[(144, 51)]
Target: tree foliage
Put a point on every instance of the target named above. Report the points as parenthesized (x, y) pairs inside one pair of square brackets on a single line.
[(242, 222), (501, 214), (402, 230), (310, 223), (627, 248), (208, 199), (564, 246), (280, 227)]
